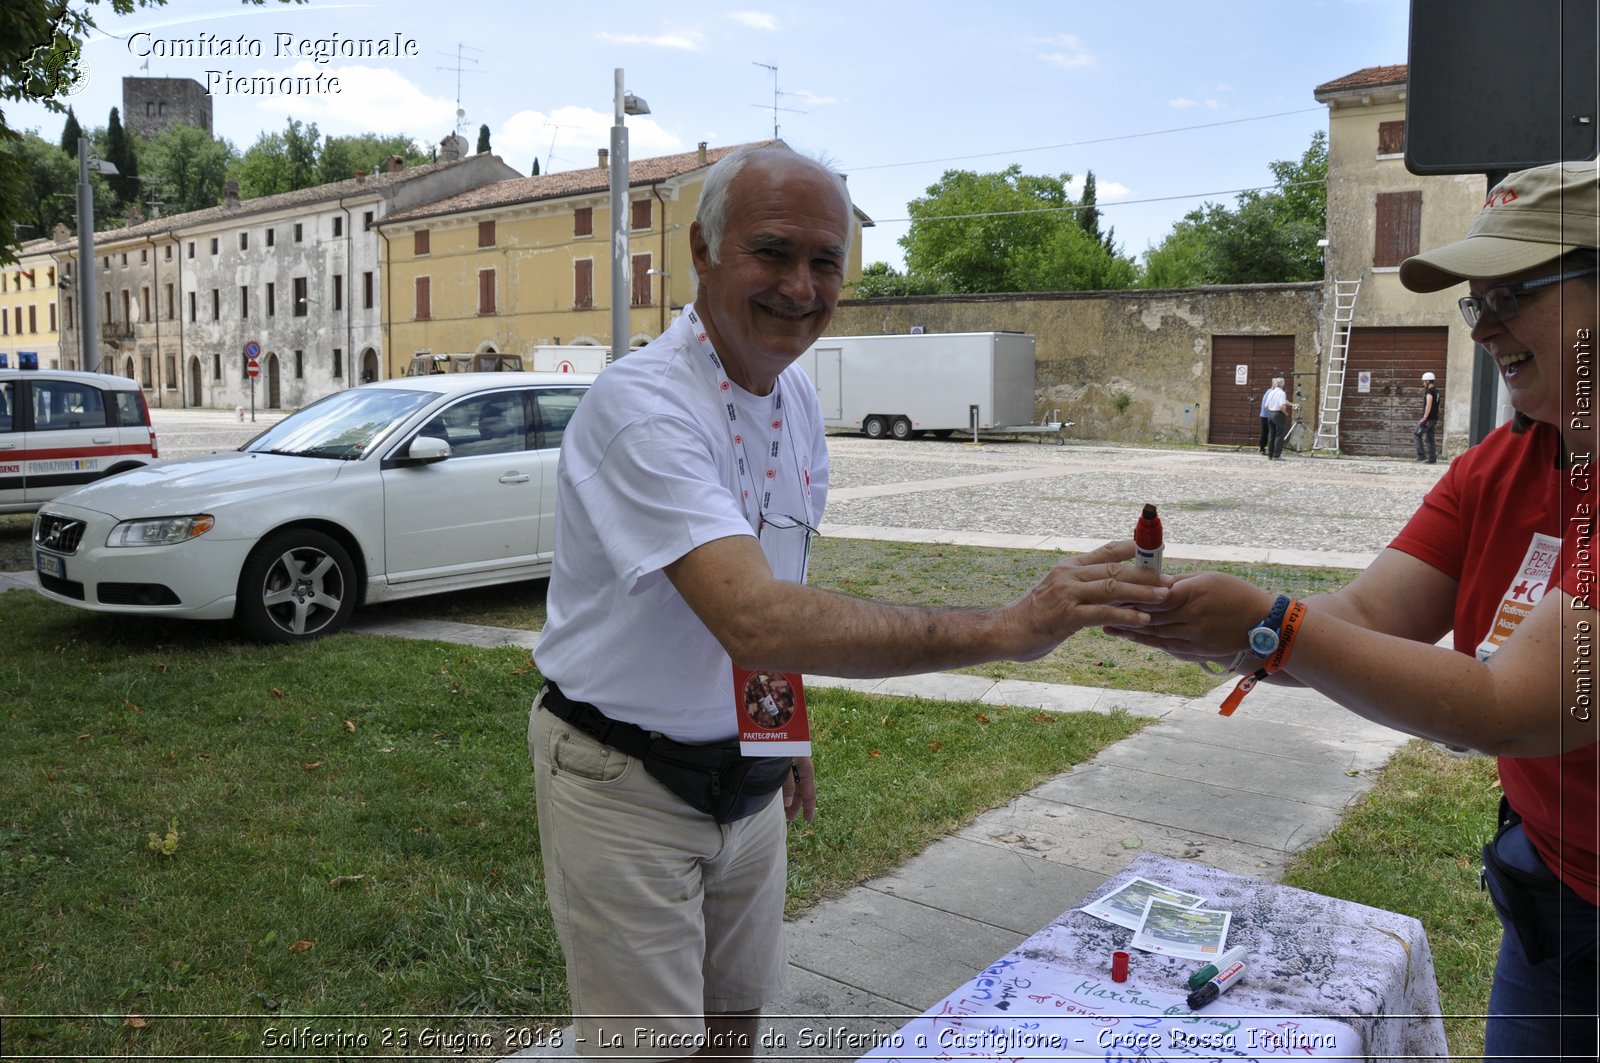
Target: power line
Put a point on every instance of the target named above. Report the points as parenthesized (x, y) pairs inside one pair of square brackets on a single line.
[(1084, 143)]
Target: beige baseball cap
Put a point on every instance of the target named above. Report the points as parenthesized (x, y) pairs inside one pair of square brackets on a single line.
[(1531, 217)]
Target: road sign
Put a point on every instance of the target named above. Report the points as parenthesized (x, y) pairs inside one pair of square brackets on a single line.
[(252, 350), (253, 368)]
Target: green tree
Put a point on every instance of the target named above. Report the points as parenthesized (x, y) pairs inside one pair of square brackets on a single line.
[(279, 162), (341, 157), (1006, 232), (70, 134), (119, 151), (483, 139), (184, 168), (880, 280), (1268, 237), (48, 185)]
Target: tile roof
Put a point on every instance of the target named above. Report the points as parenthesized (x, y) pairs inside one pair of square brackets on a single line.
[(265, 204), (1371, 77), (566, 183)]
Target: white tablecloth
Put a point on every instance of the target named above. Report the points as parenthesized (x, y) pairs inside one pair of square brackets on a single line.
[(1314, 963)]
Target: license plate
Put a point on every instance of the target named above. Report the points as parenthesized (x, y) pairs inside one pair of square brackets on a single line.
[(49, 565)]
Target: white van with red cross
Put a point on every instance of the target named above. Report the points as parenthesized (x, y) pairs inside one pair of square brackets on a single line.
[(61, 429)]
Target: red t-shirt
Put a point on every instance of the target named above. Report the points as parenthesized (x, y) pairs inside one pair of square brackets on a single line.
[(1496, 522)]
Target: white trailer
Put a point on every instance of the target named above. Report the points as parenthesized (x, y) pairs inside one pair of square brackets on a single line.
[(570, 358), (980, 383)]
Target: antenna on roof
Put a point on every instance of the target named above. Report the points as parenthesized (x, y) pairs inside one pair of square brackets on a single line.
[(775, 95), (460, 112)]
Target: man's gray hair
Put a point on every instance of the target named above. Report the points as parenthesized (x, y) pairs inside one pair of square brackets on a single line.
[(712, 214)]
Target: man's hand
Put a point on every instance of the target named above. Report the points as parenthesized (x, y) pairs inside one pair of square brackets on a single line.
[(1085, 591), (800, 791)]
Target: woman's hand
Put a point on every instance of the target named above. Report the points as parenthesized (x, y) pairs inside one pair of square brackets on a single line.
[(1206, 617)]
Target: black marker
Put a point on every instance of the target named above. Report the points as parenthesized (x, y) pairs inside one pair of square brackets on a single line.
[(1217, 986)]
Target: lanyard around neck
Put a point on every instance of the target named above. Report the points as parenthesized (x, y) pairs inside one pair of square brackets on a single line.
[(752, 492)]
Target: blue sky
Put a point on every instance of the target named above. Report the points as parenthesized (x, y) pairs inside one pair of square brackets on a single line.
[(1169, 102)]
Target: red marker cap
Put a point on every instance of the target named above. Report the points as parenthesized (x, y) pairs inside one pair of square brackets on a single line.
[(1119, 966), (1147, 532)]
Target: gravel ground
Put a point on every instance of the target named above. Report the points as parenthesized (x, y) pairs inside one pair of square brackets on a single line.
[(1210, 497), (1088, 490)]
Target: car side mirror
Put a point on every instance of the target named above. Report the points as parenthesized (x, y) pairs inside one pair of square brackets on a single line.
[(426, 450)]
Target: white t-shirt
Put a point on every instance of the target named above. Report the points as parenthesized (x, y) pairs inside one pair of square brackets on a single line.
[(1274, 400), (647, 473)]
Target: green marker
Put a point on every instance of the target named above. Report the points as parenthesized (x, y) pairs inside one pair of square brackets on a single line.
[(1210, 970)]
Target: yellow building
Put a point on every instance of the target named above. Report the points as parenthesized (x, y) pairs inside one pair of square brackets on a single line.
[(30, 312), (527, 262)]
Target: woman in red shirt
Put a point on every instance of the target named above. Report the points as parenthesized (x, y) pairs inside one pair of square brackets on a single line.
[(1502, 552)]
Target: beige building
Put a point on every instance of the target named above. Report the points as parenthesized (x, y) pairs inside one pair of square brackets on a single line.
[(527, 262), (293, 276), (1379, 213), (30, 311)]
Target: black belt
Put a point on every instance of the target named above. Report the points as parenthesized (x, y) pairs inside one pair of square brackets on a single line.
[(628, 737)]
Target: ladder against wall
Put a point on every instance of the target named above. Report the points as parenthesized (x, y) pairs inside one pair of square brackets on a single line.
[(1344, 310)]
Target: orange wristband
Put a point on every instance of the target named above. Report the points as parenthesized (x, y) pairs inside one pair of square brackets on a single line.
[(1280, 656)]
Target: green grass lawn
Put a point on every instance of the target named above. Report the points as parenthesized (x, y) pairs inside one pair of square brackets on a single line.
[(199, 826)]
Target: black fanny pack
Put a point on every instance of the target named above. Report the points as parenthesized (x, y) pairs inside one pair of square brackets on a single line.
[(1519, 896), (714, 779)]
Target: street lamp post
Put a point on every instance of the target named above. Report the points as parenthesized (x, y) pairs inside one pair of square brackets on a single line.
[(621, 263), (89, 345)]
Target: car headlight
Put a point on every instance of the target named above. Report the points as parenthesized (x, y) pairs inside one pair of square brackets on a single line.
[(160, 531)]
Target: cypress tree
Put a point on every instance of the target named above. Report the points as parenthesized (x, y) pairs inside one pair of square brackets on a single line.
[(70, 133)]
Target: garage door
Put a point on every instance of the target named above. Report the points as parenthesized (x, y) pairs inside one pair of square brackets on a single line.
[(1242, 368), (1383, 388)]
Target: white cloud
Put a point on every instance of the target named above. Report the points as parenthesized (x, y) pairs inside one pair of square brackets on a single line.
[(689, 41), (369, 100), (569, 138), (810, 99), (1182, 103), (1067, 51), (756, 20)]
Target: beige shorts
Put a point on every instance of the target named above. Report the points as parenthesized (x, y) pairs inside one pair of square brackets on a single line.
[(664, 915)]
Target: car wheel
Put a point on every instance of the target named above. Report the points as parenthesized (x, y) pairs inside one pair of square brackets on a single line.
[(900, 428), (874, 427), (297, 584)]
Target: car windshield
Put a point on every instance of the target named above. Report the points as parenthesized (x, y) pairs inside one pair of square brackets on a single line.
[(345, 426)]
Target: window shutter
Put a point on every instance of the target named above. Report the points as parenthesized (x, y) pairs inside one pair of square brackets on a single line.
[(486, 290), (424, 298), (1398, 227), (1392, 137), (583, 284), (641, 280)]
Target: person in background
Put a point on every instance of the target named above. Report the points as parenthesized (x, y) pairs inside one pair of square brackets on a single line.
[(1427, 444), (1266, 423), (690, 481), (1277, 405), (1501, 552)]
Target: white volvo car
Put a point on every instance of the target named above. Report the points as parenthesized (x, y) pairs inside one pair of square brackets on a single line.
[(390, 490)]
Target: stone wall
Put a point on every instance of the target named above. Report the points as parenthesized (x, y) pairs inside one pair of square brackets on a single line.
[(1152, 346)]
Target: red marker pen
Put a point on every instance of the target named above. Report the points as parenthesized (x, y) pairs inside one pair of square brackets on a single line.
[(1147, 545)]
